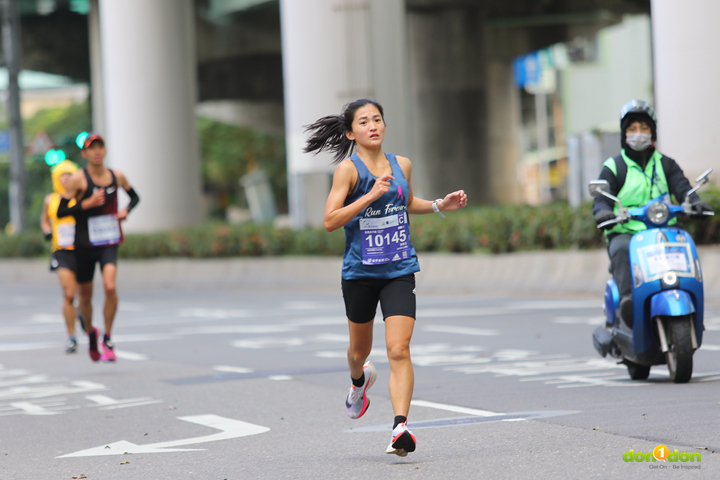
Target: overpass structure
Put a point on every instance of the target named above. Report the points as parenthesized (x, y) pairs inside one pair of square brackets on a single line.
[(441, 68)]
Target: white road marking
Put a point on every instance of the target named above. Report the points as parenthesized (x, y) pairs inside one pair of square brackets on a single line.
[(125, 355), (713, 348), (142, 337), (48, 318), (462, 312), (532, 367), (41, 407), (32, 330), (26, 346), (557, 304), (33, 409), (454, 408), (580, 320), (268, 342), (213, 313), (331, 338), (320, 321), (228, 368), (30, 379), (461, 330), (237, 329), (25, 392), (309, 305), (279, 377), (230, 429), (12, 373), (130, 307), (107, 403)]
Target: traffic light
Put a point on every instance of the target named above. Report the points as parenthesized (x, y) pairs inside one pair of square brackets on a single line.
[(80, 140), (53, 157)]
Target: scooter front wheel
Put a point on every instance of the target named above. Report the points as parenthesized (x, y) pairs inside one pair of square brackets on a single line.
[(679, 356)]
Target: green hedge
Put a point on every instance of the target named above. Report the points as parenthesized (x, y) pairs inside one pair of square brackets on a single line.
[(496, 229)]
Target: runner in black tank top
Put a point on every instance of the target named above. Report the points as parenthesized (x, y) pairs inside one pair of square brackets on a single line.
[(110, 208), (97, 235)]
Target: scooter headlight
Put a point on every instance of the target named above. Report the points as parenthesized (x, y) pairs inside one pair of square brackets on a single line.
[(658, 213), (670, 279)]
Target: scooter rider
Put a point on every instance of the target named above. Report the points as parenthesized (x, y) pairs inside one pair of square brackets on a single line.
[(639, 174)]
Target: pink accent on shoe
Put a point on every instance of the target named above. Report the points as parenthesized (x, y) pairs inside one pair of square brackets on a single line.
[(108, 353), (94, 352)]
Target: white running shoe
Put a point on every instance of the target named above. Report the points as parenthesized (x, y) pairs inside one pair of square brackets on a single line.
[(357, 401), (403, 441)]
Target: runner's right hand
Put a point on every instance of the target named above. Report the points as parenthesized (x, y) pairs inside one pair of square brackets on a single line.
[(97, 199), (381, 187)]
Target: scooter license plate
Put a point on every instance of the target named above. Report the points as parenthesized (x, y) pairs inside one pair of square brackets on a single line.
[(667, 257)]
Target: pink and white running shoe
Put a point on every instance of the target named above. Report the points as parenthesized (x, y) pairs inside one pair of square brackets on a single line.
[(357, 401), (403, 441)]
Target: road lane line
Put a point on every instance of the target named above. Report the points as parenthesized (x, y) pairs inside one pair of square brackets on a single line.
[(454, 408)]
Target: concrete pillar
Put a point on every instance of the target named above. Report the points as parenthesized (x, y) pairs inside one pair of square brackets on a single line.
[(448, 71), (685, 40), (334, 52), (149, 73), (96, 71), (503, 133)]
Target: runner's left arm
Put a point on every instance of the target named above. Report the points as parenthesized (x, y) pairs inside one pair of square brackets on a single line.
[(134, 198), (419, 206), (45, 219)]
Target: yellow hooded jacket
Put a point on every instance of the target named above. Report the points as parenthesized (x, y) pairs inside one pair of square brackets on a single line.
[(63, 229)]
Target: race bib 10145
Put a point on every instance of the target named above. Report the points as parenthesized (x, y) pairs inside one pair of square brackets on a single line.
[(385, 239)]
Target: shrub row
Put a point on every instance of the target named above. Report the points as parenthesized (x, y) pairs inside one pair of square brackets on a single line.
[(496, 229)]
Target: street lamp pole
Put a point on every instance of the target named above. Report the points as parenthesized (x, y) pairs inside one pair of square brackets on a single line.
[(11, 52)]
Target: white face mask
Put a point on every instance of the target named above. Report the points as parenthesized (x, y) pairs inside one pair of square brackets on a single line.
[(639, 141)]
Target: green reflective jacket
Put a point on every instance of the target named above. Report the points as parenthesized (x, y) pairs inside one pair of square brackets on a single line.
[(639, 188)]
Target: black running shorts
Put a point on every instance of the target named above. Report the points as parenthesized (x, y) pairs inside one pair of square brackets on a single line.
[(87, 258), (396, 297), (63, 259)]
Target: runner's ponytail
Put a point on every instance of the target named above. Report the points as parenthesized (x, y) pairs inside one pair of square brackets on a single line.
[(328, 133)]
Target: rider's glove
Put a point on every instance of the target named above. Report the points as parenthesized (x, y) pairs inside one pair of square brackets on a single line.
[(604, 216), (700, 206), (48, 236)]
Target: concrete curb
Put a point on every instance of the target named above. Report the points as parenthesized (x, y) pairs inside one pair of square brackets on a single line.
[(542, 272)]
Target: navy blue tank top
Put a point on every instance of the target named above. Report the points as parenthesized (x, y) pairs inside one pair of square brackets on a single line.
[(377, 240)]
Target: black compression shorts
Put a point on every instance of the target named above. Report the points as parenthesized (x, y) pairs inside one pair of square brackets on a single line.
[(63, 259), (87, 258), (396, 297)]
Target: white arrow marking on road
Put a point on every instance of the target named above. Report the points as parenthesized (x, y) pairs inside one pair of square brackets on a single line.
[(230, 429)]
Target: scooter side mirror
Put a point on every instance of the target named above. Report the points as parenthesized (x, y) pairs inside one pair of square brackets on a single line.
[(705, 174), (598, 187)]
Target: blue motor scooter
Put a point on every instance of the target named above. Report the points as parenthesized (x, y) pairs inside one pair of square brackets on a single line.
[(667, 323)]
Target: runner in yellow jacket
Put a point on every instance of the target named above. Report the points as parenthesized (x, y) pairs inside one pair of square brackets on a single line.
[(61, 232)]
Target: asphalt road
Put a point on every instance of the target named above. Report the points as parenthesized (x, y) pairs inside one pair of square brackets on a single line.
[(251, 384)]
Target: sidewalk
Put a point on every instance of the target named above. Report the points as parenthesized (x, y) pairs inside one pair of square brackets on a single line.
[(575, 272)]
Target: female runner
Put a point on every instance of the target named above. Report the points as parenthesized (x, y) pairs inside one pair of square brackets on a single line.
[(371, 197)]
